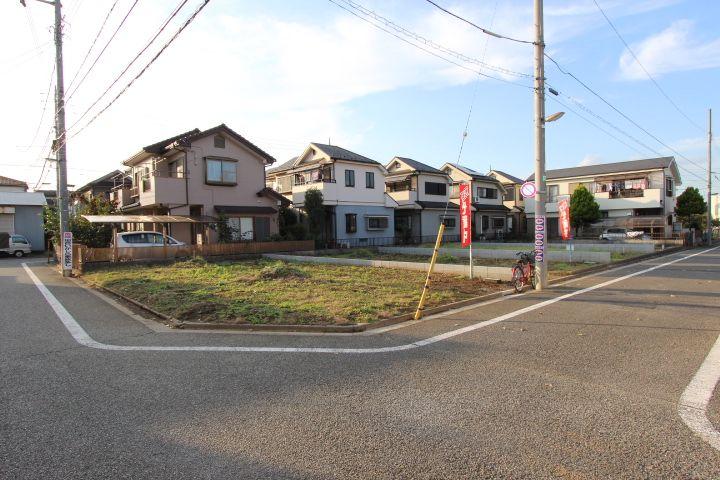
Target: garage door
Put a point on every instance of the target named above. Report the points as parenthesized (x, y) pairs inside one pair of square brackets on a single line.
[(7, 222)]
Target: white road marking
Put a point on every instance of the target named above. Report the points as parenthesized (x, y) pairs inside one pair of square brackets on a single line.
[(83, 338), (695, 398)]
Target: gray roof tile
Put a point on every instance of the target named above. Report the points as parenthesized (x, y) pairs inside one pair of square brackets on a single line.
[(609, 168)]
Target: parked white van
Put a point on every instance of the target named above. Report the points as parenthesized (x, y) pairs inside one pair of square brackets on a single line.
[(144, 239), (14, 244)]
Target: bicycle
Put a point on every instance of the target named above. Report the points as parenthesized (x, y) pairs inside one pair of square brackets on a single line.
[(523, 272)]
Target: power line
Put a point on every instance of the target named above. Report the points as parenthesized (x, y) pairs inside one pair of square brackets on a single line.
[(484, 30), (92, 45), (409, 33), (162, 28), (112, 37), (44, 109), (595, 125), (157, 55), (606, 102), (478, 72), (643, 67)]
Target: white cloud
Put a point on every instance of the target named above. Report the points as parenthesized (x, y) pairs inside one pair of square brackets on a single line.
[(590, 159), (673, 50)]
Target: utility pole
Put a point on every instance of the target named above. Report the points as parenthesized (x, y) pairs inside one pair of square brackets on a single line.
[(541, 190), (59, 144), (60, 135), (709, 185)]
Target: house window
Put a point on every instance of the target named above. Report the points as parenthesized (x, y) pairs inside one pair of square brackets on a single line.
[(241, 228), (369, 180), (377, 223), (484, 192), (553, 192), (350, 178), (220, 172), (449, 222), (669, 190), (498, 223), (510, 194), (219, 141), (435, 188), (350, 222)]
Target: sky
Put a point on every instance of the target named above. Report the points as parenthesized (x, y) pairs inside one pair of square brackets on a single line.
[(284, 73)]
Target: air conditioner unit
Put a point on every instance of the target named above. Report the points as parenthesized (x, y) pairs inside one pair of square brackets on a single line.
[(476, 199)]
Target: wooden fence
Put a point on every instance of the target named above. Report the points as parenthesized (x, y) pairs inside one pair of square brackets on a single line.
[(83, 255)]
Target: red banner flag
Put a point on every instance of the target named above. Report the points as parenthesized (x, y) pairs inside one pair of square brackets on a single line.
[(564, 214), (465, 215)]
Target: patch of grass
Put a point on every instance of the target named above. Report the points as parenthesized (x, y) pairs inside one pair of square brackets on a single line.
[(239, 291), (281, 270)]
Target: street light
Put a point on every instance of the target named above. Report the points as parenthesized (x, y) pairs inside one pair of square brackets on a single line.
[(554, 116)]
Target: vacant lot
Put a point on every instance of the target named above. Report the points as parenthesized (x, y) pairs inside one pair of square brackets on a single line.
[(264, 291)]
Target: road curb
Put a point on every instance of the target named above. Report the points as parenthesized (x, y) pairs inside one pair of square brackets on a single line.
[(362, 327)]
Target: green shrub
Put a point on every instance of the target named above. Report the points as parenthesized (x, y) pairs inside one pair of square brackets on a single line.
[(446, 258)]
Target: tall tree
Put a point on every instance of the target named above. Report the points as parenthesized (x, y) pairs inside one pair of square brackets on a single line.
[(690, 207), (315, 209), (89, 234), (584, 210)]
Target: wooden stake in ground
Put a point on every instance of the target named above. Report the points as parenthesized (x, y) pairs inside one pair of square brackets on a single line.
[(426, 287)]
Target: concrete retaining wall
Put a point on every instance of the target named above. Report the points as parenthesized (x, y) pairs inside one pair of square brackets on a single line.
[(602, 247), (552, 255), (487, 273)]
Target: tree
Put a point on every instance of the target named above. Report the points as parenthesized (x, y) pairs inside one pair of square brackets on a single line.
[(224, 231), (91, 234), (290, 226), (584, 210), (315, 210), (690, 207)]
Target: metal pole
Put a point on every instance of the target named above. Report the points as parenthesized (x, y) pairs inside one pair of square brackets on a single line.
[(709, 184), (540, 196), (471, 261), (60, 136)]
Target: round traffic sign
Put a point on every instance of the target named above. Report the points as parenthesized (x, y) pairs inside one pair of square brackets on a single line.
[(528, 190)]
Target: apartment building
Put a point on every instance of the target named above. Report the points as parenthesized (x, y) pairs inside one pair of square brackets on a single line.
[(353, 187), (201, 174), (422, 193), (637, 194), (490, 215)]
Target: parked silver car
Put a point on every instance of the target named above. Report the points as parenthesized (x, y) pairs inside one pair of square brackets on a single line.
[(621, 234), (144, 239)]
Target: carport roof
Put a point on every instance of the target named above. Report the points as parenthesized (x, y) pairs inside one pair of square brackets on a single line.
[(148, 219)]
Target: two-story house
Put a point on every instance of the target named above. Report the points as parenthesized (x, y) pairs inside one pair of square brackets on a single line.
[(422, 193), (98, 187), (513, 200), (489, 213), (201, 174), (358, 211), (637, 194)]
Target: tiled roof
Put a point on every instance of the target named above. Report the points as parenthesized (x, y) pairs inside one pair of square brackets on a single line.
[(609, 168), (11, 182), (339, 153), (104, 178), (512, 178), (419, 166), (490, 207), (283, 166), (475, 175), (187, 137), (438, 205)]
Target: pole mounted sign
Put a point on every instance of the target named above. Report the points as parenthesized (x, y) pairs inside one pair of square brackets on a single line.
[(564, 215), (540, 238), (465, 215), (67, 248), (528, 190)]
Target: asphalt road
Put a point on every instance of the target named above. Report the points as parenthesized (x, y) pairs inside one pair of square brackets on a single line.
[(586, 387)]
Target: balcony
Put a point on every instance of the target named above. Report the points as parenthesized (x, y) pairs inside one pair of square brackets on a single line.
[(121, 196), (403, 196), (627, 193)]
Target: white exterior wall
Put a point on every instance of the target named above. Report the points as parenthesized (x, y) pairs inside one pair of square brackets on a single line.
[(338, 194), (435, 178)]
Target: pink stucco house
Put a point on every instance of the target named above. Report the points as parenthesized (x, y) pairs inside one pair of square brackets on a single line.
[(201, 174)]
